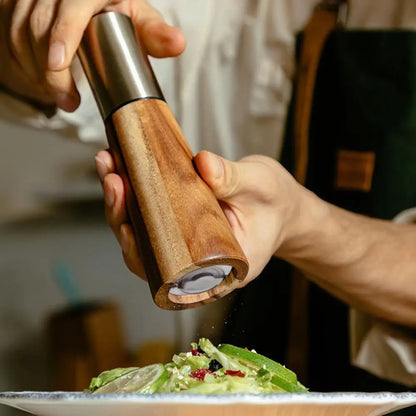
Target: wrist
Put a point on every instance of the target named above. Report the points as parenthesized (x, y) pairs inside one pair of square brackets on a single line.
[(325, 236), (306, 226)]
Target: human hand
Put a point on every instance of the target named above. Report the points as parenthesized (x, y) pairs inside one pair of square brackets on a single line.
[(262, 202), (39, 39)]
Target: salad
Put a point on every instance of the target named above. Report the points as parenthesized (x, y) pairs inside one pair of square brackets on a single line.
[(205, 369)]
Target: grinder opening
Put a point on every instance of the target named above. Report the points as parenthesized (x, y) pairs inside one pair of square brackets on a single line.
[(200, 280)]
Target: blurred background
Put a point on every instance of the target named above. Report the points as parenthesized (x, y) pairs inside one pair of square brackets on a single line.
[(69, 307), (64, 289), (56, 249)]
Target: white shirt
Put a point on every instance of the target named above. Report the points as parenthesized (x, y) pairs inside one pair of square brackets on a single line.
[(230, 92), (230, 89)]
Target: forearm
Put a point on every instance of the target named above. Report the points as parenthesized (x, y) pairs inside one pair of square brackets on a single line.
[(368, 263)]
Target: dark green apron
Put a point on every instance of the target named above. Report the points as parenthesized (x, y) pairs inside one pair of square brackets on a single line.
[(364, 101)]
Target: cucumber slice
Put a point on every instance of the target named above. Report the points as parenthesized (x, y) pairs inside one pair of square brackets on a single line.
[(281, 376), (107, 376), (144, 380)]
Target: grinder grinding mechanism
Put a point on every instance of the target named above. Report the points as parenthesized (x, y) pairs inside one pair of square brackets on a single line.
[(186, 244)]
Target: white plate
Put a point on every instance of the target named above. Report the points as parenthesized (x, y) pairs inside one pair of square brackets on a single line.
[(303, 404)]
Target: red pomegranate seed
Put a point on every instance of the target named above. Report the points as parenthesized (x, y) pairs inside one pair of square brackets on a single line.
[(236, 373), (200, 373)]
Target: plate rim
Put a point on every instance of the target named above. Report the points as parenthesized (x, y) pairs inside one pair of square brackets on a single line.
[(185, 398)]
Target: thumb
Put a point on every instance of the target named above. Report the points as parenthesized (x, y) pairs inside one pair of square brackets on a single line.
[(221, 175)]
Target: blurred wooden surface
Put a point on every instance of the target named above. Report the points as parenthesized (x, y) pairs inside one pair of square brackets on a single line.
[(83, 341)]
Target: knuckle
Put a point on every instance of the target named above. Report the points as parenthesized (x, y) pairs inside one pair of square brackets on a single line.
[(14, 32), (35, 22), (38, 24), (231, 180), (16, 39), (63, 25)]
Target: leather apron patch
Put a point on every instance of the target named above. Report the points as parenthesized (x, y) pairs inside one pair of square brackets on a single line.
[(354, 170)]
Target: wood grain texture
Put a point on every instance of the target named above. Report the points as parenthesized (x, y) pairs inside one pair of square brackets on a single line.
[(178, 223)]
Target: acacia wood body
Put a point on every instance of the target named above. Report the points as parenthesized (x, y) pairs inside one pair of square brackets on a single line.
[(178, 223)]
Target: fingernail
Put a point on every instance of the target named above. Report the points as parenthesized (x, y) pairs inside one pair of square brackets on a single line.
[(101, 167), (66, 102), (56, 56), (109, 195), (217, 167)]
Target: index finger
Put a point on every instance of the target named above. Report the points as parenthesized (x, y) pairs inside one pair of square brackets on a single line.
[(72, 18)]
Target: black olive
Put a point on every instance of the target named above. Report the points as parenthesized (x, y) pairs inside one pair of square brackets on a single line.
[(200, 350), (214, 365)]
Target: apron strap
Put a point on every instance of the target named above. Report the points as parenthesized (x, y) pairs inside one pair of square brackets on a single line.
[(324, 19)]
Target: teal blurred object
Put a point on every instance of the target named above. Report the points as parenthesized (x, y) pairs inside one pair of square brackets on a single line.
[(67, 283)]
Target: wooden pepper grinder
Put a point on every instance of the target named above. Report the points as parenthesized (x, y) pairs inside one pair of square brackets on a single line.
[(186, 244)]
